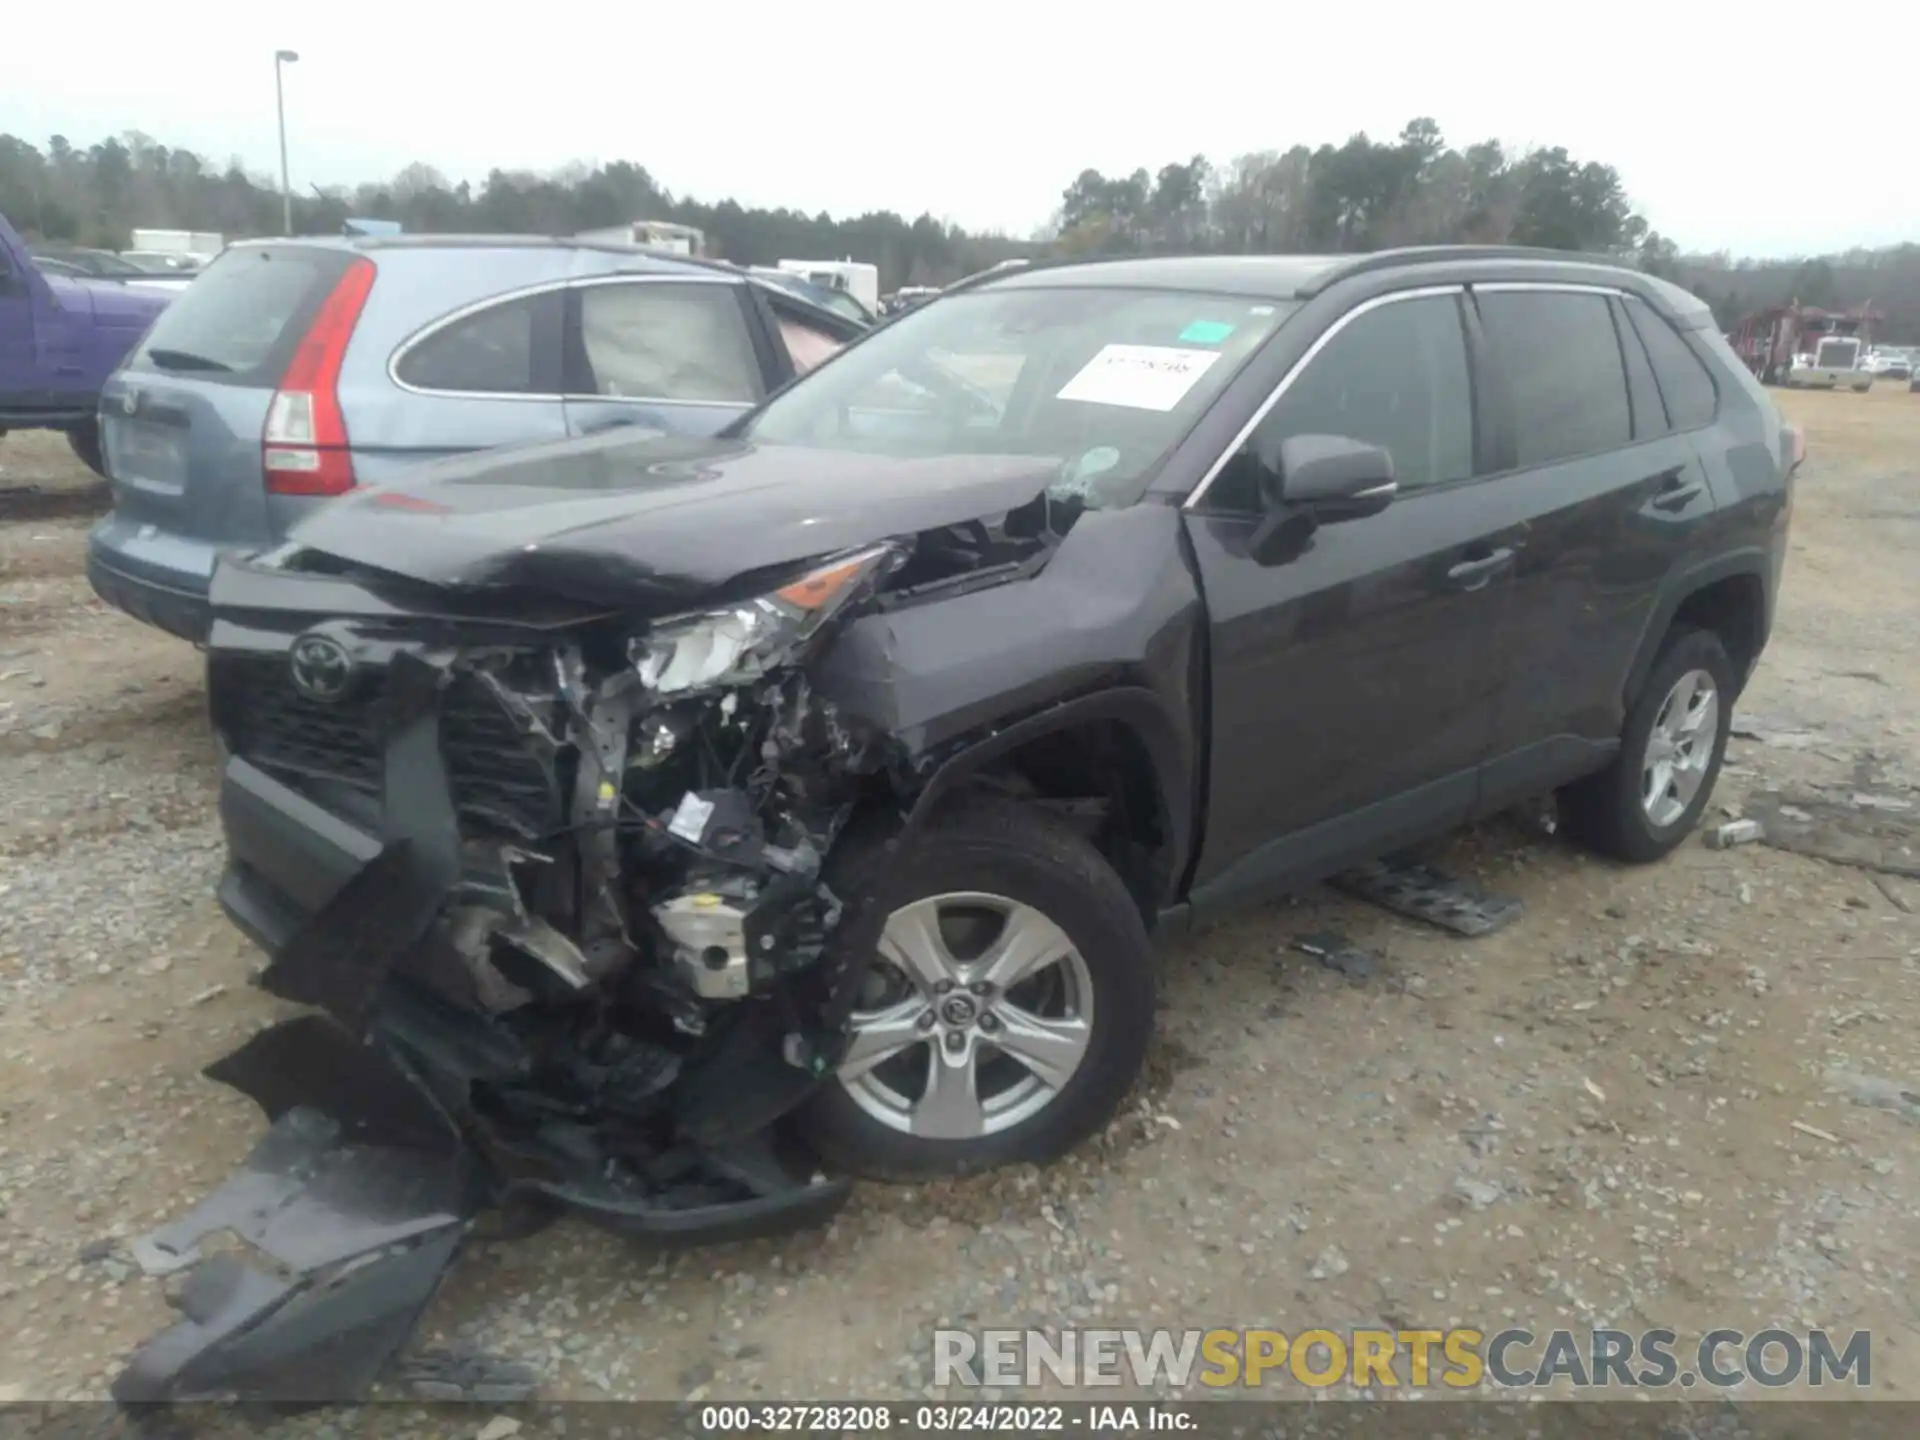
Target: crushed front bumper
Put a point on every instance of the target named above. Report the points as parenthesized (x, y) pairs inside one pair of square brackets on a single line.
[(377, 1163), (290, 857)]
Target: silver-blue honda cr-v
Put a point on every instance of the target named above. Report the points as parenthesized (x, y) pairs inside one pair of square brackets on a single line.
[(296, 370)]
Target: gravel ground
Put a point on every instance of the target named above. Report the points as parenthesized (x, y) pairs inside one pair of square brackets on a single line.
[(1663, 1096)]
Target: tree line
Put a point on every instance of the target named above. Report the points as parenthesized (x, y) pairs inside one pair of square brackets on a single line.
[(1363, 194), (1886, 280), (98, 195)]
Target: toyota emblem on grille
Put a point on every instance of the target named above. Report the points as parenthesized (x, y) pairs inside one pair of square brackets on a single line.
[(322, 668)]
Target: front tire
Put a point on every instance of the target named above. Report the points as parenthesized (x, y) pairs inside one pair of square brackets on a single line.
[(1007, 1010), (1652, 794)]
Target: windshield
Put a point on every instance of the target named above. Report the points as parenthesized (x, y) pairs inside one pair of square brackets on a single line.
[(111, 265), (841, 302), (86, 262), (1105, 382), (154, 261), (827, 297)]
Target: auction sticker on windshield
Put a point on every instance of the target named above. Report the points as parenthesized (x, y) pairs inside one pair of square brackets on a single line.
[(1141, 377)]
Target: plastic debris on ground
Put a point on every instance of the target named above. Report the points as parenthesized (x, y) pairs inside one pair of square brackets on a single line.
[(464, 1373), (1425, 892), (1881, 837), (1336, 952)]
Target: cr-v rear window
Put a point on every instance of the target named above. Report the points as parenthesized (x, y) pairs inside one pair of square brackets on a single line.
[(243, 316)]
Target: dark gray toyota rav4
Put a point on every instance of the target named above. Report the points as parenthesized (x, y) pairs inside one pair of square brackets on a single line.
[(664, 827)]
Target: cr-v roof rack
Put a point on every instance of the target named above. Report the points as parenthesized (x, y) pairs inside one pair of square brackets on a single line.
[(1431, 254)]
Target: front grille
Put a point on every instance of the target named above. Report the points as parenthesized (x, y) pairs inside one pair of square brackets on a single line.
[(498, 782), (497, 779)]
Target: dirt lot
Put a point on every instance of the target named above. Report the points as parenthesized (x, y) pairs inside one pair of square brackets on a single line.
[(1631, 1107)]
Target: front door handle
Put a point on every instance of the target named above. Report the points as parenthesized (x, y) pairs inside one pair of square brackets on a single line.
[(1472, 574)]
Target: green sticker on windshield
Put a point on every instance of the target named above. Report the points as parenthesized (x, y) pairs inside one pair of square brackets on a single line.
[(1205, 332)]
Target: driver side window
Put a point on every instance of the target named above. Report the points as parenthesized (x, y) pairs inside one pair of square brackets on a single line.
[(1395, 376)]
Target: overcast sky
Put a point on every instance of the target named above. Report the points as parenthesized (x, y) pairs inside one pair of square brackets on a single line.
[(982, 112)]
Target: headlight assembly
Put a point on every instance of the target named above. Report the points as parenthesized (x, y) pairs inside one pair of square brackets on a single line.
[(740, 643)]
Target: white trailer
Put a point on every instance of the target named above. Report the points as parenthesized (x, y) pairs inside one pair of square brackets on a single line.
[(856, 277), (199, 244), (661, 235)]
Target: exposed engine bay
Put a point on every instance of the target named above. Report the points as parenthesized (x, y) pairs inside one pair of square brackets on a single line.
[(679, 913), (598, 995)]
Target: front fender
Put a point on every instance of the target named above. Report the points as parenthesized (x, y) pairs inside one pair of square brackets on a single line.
[(1112, 629), (1140, 710)]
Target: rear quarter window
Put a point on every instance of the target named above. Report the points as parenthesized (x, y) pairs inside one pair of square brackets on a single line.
[(495, 351), (1684, 379), (242, 318)]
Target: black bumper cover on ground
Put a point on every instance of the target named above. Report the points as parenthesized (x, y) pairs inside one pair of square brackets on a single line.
[(358, 1195)]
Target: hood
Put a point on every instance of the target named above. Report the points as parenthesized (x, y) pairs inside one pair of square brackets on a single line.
[(657, 521), (112, 301)]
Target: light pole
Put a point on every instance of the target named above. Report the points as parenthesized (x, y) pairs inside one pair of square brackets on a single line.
[(282, 59)]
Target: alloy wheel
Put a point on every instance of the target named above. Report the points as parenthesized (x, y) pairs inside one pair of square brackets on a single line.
[(978, 1012), (1679, 748)]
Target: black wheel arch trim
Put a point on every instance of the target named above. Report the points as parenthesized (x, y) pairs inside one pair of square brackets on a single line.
[(1754, 561), (1143, 713)]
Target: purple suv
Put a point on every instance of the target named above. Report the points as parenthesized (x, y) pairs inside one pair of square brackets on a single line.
[(60, 338)]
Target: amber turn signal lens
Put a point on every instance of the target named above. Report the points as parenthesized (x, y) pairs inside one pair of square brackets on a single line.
[(810, 592)]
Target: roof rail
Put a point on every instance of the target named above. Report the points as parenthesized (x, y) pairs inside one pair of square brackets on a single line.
[(1426, 254), (980, 277), (1037, 263), (429, 239)]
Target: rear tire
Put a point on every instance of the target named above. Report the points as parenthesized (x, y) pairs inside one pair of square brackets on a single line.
[(84, 438), (1652, 794), (946, 913)]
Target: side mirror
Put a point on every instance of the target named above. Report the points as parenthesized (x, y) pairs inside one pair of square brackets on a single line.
[(1330, 477), (1310, 480)]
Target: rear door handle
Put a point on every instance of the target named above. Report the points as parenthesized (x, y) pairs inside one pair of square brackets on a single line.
[(1676, 500), (1677, 493), (1472, 574)]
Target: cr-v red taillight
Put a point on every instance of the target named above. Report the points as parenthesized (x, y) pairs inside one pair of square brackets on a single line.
[(303, 449)]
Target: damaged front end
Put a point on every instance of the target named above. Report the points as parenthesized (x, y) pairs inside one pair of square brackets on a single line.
[(558, 886)]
